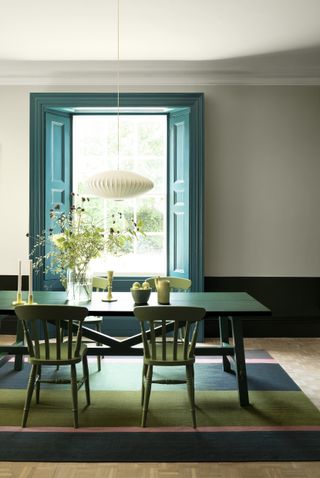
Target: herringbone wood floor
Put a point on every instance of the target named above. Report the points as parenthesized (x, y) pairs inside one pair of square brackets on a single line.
[(299, 357)]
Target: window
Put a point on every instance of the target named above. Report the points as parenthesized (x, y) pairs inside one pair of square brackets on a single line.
[(143, 149), (51, 117)]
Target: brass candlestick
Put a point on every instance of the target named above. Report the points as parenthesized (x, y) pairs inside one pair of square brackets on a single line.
[(109, 297), (30, 300), (18, 300)]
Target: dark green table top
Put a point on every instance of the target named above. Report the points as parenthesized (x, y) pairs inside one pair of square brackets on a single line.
[(216, 303)]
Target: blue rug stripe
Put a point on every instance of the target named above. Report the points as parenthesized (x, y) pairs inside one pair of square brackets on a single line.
[(158, 447)]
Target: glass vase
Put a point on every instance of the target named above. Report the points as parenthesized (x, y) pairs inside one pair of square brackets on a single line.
[(79, 286)]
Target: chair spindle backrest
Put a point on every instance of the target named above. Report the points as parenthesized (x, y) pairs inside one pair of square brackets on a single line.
[(154, 322), (42, 325), (99, 284), (177, 284)]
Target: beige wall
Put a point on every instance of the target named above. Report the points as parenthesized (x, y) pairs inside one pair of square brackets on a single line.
[(262, 159)]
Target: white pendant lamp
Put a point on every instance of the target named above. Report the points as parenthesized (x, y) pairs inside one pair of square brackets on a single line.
[(118, 184)]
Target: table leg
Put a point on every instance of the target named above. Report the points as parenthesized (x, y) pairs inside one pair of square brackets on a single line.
[(239, 359), (224, 339), (18, 361)]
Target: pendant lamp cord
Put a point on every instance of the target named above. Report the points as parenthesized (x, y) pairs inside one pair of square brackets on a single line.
[(118, 79)]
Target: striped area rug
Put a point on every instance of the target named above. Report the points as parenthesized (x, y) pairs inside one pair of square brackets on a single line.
[(281, 423)]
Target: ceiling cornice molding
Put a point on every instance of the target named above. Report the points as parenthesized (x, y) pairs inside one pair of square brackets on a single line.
[(154, 73)]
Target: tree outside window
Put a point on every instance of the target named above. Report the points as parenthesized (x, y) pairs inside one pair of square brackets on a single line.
[(143, 149)]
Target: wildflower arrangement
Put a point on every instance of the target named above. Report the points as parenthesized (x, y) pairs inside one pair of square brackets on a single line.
[(74, 239)]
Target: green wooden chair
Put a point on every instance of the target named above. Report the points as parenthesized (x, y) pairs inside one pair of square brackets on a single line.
[(42, 325), (177, 284), (99, 284), (168, 352)]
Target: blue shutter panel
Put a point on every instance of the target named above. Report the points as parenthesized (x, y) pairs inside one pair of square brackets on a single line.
[(57, 173), (178, 195)]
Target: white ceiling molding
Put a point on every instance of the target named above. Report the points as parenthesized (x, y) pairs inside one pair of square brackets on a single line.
[(293, 68)]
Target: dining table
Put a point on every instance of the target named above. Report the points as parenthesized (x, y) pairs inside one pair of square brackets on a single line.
[(229, 308)]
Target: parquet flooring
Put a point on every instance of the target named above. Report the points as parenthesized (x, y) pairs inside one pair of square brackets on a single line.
[(160, 470), (299, 357)]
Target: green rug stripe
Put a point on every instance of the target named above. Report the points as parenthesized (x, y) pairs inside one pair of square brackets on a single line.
[(122, 409)]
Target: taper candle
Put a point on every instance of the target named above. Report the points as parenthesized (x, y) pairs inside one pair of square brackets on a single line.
[(19, 278), (30, 276), (19, 300)]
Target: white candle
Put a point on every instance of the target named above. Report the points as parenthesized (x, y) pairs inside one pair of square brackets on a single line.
[(30, 276), (19, 278)]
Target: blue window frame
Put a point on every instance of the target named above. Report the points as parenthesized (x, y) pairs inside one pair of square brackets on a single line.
[(51, 169)]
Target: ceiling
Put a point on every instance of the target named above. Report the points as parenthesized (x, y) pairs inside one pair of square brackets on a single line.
[(53, 39)]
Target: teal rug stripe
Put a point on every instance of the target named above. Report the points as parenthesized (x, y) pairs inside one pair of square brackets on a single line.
[(127, 376)]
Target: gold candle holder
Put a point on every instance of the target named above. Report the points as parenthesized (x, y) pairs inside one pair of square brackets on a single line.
[(18, 300), (30, 300), (109, 297)]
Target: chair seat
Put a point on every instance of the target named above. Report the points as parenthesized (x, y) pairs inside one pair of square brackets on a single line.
[(169, 360), (92, 319), (64, 360)]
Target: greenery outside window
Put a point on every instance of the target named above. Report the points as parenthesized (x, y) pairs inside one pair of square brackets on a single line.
[(143, 149)]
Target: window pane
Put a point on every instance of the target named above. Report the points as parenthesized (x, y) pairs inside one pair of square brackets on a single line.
[(143, 149)]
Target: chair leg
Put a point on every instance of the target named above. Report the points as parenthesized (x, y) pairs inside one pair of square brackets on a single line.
[(31, 381), (190, 386), (86, 378), (61, 340), (148, 383), (144, 374), (74, 390), (98, 328), (38, 378)]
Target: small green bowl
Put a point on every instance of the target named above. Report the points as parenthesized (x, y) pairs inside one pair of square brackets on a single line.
[(140, 296)]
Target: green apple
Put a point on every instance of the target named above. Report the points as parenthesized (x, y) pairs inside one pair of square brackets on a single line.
[(136, 285), (145, 285)]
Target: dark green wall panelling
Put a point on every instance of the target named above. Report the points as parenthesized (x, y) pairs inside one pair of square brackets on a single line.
[(294, 302)]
